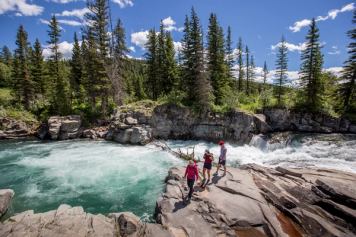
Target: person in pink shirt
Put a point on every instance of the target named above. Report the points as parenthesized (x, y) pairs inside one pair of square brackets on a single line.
[(192, 175)]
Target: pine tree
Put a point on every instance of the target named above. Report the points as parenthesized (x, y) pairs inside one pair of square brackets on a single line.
[(6, 56), (347, 85), (76, 72), (171, 71), (59, 92), (196, 84), (161, 56), (229, 54), (120, 51), (265, 74), (23, 85), (98, 17), (247, 70), (281, 70), (311, 68), (263, 90), (37, 69), (152, 65), (216, 59), (252, 72), (91, 62), (240, 65)]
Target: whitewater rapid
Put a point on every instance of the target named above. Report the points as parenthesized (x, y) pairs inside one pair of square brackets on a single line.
[(335, 151), (106, 177)]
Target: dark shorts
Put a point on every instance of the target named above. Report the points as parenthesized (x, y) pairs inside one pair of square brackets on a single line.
[(222, 162), (207, 166)]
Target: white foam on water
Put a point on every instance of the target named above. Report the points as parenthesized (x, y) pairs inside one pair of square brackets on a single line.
[(309, 152)]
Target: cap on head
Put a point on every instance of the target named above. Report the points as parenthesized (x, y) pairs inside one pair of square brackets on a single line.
[(221, 143), (207, 151)]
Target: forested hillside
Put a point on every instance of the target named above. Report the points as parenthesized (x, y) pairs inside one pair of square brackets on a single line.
[(210, 72)]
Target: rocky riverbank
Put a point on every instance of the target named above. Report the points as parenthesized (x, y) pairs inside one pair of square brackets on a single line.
[(142, 124), (249, 201)]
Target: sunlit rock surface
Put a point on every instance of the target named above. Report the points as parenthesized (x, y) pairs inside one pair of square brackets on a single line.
[(6, 196), (248, 201)]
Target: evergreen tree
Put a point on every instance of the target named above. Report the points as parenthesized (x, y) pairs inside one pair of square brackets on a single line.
[(240, 65), (229, 54), (23, 85), (196, 84), (37, 68), (252, 73), (59, 92), (310, 72), (76, 72), (347, 85), (120, 51), (91, 62), (6, 56), (152, 65), (171, 71), (281, 70), (264, 94), (161, 56), (265, 74), (247, 70), (216, 59), (98, 17)]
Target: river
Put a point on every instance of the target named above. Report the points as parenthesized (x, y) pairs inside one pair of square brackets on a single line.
[(106, 177)]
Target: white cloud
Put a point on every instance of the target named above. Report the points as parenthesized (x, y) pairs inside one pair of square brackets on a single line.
[(291, 47), (80, 13), (64, 47), (177, 46), (332, 14), (334, 50), (170, 25), (124, 3), (132, 49), (70, 22), (21, 7), (299, 25), (64, 1), (334, 70), (139, 38)]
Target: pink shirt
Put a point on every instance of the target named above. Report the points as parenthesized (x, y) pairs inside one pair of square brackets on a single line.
[(191, 172)]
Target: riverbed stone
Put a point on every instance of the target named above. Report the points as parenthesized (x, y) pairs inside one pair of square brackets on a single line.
[(6, 196), (64, 127)]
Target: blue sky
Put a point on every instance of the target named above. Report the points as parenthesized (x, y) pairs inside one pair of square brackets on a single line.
[(260, 23)]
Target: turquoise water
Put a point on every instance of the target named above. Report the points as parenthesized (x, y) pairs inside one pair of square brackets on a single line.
[(102, 177)]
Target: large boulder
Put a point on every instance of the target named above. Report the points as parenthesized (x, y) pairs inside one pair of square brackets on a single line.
[(64, 127), (6, 196), (260, 201), (11, 128)]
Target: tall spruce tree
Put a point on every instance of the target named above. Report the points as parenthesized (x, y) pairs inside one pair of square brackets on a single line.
[(6, 56), (152, 65), (229, 54), (23, 84), (196, 84), (347, 85), (37, 69), (161, 56), (171, 70), (59, 96), (240, 64), (252, 72), (281, 70), (247, 70), (263, 89), (311, 68), (216, 59), (76, 71), (120, 51), (98, 16)]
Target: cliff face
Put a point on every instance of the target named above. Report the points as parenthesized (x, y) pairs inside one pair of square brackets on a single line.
[(141, 125), (248, 201)]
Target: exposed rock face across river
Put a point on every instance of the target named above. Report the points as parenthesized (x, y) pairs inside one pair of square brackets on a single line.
[(249, 201)]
